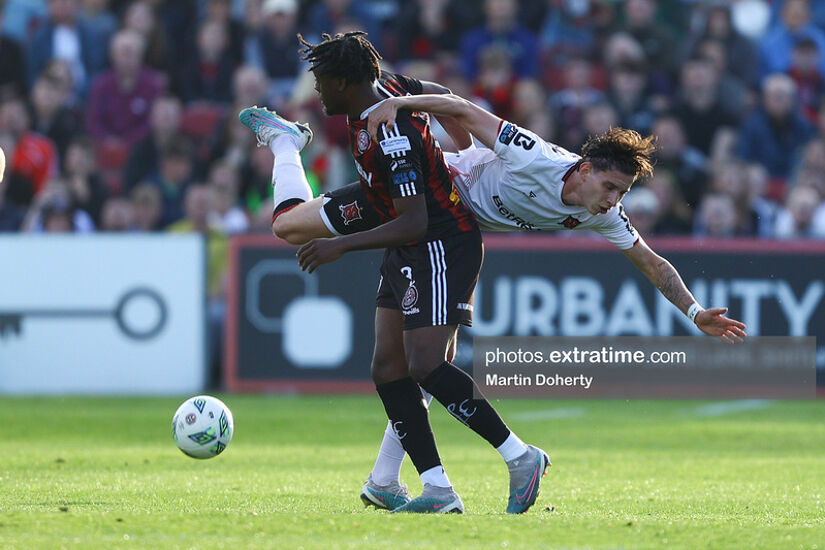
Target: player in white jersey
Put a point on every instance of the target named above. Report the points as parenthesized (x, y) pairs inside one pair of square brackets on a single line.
[(518, 187), (519, 182)]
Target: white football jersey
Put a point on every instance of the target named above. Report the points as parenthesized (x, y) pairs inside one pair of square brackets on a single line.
[(517, 186)]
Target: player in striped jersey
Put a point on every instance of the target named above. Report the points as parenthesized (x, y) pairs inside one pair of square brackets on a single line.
[(430, 268)]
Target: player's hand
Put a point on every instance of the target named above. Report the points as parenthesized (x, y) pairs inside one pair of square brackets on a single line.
[(714, 323), (383, 114), (317, 252)]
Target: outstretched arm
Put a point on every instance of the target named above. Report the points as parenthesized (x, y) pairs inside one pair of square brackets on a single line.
[(665, 277), (482, 124), (460, 136)]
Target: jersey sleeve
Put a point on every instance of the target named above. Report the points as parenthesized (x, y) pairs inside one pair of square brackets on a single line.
[(411, 85), (517, 146), (400, 153), (617, 229)]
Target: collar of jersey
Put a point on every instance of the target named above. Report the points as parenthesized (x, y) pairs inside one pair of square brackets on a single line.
[(368, 110)]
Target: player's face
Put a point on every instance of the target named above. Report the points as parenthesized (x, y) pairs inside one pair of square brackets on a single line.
[(331, 92), (603, 189)]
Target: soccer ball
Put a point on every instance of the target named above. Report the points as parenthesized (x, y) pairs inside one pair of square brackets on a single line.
[(202, 426)]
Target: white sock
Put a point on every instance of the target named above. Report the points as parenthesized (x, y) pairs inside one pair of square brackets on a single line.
[(436, 476), (391, 454), (387, 467), (512, 448), (288, 178)]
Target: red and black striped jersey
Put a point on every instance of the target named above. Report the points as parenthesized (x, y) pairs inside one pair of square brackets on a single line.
[(408, 161)]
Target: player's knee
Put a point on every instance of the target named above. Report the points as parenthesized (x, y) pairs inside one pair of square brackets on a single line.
[(387, 369), (284, 227), (419, 370)]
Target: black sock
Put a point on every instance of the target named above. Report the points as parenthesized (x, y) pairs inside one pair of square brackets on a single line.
[(454, 389), (411, 421)]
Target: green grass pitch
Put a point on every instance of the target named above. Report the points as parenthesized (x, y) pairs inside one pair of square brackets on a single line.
[(105, 473)]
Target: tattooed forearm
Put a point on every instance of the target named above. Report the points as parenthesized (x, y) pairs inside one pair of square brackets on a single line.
[(670, 284)]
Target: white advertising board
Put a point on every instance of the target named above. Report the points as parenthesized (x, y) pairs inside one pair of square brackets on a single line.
[(102, 314)]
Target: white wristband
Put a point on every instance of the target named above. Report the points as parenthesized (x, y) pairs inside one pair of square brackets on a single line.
[(693, 311)]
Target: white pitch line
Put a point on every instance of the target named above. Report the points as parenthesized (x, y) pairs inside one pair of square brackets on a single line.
[(549, 414), (732, 407)]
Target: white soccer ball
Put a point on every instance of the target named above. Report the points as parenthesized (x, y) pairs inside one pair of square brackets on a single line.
[(202, 426)]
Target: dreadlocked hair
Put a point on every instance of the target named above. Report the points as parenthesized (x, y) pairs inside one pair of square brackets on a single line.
[(623, 150), (346, 55)]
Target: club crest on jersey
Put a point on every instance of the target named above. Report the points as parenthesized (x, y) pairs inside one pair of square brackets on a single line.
[(570, 222), (362, 141), (411, 296), (410, 299), (350, 212)]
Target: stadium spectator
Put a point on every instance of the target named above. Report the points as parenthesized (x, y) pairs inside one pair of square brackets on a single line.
[(121, 98), (147, 207), (643, 209), (226, 215), (198, 206), (67, 36), (569, 103), (164, 121), (735, 96), (686, 164), (52, 211), (628, 95), (496, 80), (174, 177), (805, 72), (429, 29), (209, 76), (99, 19), (12, 63), (275, 42), (82, 180), (529, 108), (567, 31), (20, 17), (655, 39), (675, 216), (794, 24), (731, 178), (716, 216), (775, 132), (140, 17), (332, 16), (49, 113), (31, 159), (598, 119), (249, 86), (503, 30), (699, 107), (743, 56), (220, 12), (796, 219), (117, 215)]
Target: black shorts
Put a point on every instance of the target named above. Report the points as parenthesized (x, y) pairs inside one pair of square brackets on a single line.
[(346, 210), (432, 283)]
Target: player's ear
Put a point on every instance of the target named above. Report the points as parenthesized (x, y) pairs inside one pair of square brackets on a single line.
[(340, 84), (585, 168)]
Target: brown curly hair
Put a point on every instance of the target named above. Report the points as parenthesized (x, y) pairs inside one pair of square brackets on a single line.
[(623, 150)]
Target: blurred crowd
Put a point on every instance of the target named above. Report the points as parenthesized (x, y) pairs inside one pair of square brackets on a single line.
[(120, 115)]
